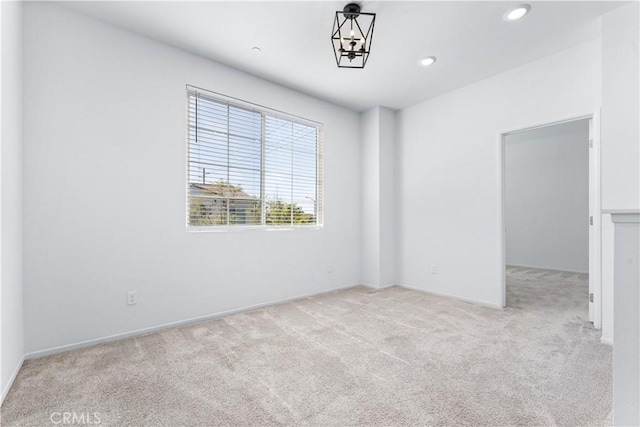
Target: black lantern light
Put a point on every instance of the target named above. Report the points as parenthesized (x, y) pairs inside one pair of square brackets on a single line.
[(351, 45)]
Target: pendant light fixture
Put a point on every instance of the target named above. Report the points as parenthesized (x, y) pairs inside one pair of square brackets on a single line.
[(351, 36)]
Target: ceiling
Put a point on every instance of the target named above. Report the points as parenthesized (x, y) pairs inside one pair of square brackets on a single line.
[(470, 40)]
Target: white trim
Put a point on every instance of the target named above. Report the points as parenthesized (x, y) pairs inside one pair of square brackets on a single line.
[(502, 223), (378, 288), (11, 380), (595, 209), (540, 125), (137, 332), (620, 211), (597, 229), (251, 228), (465, 299), (115, 337), (547, 268), (625, 218), (606, 340), (248, 105)]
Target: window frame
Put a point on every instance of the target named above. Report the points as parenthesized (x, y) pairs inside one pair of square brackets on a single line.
[(264, 112)]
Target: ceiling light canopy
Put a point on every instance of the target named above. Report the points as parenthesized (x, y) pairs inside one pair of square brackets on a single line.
[(517, 12), (425, 62), (351, 36)]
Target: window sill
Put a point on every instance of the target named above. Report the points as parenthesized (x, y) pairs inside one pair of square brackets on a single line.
[(241, 229)]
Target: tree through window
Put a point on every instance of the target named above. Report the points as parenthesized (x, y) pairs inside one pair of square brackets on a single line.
[(250, 166)]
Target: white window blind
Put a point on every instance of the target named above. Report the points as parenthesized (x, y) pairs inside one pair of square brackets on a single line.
[(250, 166)]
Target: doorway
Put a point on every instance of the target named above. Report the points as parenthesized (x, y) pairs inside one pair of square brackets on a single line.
[(550, 197)]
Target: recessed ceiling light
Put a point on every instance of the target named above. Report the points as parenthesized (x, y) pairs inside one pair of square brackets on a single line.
[(256, 49), (427, 61), (517, 12)]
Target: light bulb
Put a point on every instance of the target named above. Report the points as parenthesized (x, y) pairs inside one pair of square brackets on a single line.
[(517, 13), (427, 61)]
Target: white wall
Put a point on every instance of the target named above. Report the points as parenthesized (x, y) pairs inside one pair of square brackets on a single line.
[(370, 131), (621, 193), (620, 135), (81, 261), (378, 197), (607, 245), (105, 186), (626, 350), (621, 108), (388, 190), (449, 166), (547, 197), (11, 318)]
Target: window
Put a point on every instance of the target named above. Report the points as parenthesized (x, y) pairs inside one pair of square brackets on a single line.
[(250, 166)]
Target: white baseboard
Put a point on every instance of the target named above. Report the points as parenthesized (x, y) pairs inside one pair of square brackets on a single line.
[(367, 285), (115, 337), (7, 387), (442, 294), (606, 340), (547, 268)]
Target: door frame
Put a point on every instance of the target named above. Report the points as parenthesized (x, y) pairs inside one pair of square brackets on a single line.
[(595, 230)]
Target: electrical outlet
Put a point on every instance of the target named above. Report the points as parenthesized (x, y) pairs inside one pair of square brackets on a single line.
[(132, 297), (330, 269), (434, 269)]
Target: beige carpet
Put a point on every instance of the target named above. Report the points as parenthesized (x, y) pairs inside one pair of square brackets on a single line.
[(353, 357)]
